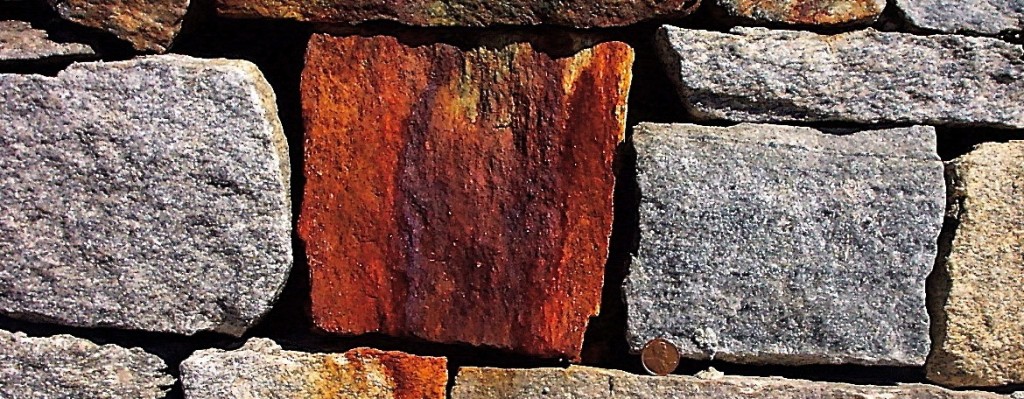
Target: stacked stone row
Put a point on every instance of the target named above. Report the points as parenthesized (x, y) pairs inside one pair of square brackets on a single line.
[(464, 194)]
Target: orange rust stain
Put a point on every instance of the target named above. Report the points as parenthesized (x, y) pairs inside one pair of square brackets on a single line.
[(460, 196), (371, 373)]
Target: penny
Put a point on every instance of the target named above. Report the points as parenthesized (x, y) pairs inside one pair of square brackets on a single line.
[(660, 357)]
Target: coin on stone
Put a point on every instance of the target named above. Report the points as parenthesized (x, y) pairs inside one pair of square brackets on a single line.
[(660, 357)]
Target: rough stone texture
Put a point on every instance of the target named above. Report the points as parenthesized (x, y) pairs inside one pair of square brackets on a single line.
[(147, 24), (63, 366), (975, 16), (980, 291), (578, 382), (20, 42), (777, 244), (759, 75), (261, 369), (805, 12), (576, 13), (148, 194), (479, 209)]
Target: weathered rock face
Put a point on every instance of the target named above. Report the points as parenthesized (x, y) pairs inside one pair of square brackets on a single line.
[(148, 194), (148, 25), (805, 12), (976, 16), (981, 295), (460, 196), (20, 42), (63, 366), (576, 13), (261, 369), (584, 383), (776, 244), (757, 75)]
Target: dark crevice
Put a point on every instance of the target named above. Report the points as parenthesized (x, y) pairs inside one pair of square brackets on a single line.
[(954, 141)]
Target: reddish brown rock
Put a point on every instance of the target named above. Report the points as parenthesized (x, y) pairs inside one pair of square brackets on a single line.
[(147, 24), (577, 13), (805, 12), (460, 195)]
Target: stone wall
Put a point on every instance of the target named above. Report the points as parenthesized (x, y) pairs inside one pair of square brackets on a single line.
[(511, 199)]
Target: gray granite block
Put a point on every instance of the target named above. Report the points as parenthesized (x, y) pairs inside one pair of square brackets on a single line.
[(65, 367), (149, 194), (988, 17), (866, 76), (778, 244)]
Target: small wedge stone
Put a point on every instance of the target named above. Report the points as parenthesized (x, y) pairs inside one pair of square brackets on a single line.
[(65, 367), (20, 42)]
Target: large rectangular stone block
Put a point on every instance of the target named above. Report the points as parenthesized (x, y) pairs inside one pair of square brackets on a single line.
[(460, 195), (148, 194), (778, 244), (979, 291), (866, 76)]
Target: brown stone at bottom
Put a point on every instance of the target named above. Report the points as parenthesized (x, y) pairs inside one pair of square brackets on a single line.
[(460, 195), (805, 12), (590, 383), (979, 292)]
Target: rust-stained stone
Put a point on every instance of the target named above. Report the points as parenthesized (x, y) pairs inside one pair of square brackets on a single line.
[(805, 12), (149, 25), (460, 195), (980, 287), (576, 13), (261, 369)]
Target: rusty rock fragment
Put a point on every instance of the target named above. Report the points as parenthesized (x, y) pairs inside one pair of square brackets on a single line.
[(148, 25), (575, 13), (261, 369), (20, 42), (805, 12), (460, 195), (980, 292), (578, 382)]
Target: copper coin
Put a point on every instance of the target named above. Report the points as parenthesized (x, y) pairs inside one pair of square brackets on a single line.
[(660, 357)]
